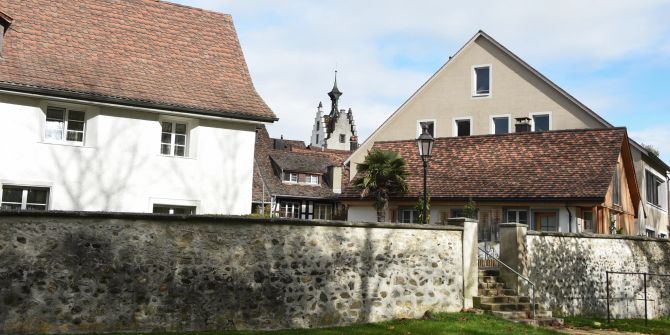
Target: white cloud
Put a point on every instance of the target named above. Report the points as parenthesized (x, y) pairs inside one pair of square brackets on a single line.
[(292, 46), (657, 136)]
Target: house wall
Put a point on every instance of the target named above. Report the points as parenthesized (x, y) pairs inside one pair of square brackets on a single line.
[(650, 216), (569, 271), (625, 210), (515, 91), (94, 273), (489, 213), (119, 167), (341, 126)]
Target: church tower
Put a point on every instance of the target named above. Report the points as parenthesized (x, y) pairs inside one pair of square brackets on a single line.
[(337, 129)]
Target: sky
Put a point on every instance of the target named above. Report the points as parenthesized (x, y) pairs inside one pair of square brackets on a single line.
[(613, 56)]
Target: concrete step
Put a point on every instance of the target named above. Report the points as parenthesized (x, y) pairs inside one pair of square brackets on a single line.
[(489, 272), (491, 285), (485, 292), (489, 279), (500, 299), (510, 315), (507, 307)]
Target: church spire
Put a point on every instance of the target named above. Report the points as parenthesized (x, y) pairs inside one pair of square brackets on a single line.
[(334, 95)]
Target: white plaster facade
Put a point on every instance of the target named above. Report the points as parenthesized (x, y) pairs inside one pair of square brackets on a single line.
[(119, 166)]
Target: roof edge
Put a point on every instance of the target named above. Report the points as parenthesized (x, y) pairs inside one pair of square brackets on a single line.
[(96, 98), (5, 20), (490, 199)]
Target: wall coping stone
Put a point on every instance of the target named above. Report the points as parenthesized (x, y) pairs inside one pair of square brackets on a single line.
[(220, 219), (590, 235), (512, 225)]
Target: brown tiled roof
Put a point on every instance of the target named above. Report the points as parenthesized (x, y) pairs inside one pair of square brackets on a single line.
[(568, 164), (133, 52), (300, 160)]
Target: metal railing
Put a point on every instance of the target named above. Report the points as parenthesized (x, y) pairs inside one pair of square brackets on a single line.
[(486, 261), (644, 278), (532, 285)]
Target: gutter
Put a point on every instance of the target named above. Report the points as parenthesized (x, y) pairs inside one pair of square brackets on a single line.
[(107, 101)]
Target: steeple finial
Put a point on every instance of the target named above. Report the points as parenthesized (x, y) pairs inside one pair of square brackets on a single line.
[(334, 95)]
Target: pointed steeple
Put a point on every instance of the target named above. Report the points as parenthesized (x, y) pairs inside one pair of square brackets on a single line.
[(334, 95)]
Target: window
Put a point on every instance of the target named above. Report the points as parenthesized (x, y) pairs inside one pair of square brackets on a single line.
[(318, 125), (541, 122), (650, 232), (587, 218), (481, 81), (323, 211), (312, 179), (343, 138), (546, 221), (178, 210), (317, 138), (289, 209), (500, 125), (32, 198), (462, 127), (64, 125), (616, 186), (654, 188), (408, 215), (173, 138), (430, 125), (517, 215), (293, 177)]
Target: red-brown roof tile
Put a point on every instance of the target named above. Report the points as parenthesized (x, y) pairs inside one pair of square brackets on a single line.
[(570, 164), (135, 52)]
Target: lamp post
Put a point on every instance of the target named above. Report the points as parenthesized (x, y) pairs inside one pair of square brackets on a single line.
[(425, 143)]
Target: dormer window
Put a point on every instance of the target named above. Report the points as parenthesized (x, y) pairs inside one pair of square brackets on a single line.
[(5, 22)]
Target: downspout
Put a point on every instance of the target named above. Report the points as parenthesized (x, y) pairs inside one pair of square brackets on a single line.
[(569, 218)]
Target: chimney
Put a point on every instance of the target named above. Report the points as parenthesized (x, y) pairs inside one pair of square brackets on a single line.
[(335, 174), (522, 125)]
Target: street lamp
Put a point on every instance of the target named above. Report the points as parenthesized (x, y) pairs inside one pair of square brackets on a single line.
[(425, 143)]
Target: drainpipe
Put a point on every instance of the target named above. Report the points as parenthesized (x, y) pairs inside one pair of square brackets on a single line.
[(569, 218)]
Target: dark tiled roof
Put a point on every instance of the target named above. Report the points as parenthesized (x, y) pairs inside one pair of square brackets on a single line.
[(134, 52), (300, 160), (570, 164)]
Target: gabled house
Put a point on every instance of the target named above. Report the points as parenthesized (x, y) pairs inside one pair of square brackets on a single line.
[(483, 88), (294, 181), (536, 178), (129, 105)]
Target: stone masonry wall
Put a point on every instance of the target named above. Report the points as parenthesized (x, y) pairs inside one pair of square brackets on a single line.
[(569, 271), (69, 272)]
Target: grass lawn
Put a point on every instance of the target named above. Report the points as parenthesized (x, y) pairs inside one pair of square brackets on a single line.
[(656, 326), (442, 323)]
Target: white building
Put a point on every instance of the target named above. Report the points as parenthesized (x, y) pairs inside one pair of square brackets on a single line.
[(337, 129), (152, 113)]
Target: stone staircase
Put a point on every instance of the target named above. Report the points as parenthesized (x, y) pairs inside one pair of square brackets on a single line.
[(496, 298)]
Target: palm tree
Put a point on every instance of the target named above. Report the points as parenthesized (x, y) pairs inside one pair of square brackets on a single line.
[(383, 174)]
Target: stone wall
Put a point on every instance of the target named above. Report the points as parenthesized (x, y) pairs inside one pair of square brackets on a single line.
[(569, 271), (93, 272)]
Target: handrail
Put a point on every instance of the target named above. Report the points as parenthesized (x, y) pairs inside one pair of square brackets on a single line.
[(532, 301)]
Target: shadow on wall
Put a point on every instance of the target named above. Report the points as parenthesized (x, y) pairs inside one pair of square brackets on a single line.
[(93, 275), (570, 275)]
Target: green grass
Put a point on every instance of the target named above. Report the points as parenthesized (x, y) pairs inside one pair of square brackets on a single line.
[(655, 326), (439, 324)]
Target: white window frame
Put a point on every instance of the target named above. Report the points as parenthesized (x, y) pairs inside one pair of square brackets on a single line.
[(173, 202), (517, 210), (412, 218), (454, 124), (187, 145), (290, 177), (492, 125), (67, 110), (532, 120), (419, 130), (662, 204), (294, 205), (473, 78), (312, 179), (321, 208), (24, 195)]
